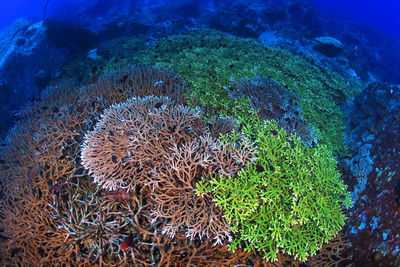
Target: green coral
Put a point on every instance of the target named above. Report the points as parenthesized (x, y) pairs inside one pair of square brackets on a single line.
[(207, 59), (289, 201)]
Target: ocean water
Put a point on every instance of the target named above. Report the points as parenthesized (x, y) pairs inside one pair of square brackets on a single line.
[(382, 15), (199, 133)]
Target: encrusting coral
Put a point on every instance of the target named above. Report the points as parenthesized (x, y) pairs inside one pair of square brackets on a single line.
[(53, 213)]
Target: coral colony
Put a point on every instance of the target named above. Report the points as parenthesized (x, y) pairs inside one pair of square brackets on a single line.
[(188, 159), (123, 171)]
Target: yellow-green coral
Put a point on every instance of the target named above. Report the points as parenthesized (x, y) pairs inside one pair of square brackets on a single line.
[(207, 59), (290, 201)]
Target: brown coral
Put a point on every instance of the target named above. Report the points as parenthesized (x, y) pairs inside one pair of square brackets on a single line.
[(133, 137), (50, 211), (174, 184)]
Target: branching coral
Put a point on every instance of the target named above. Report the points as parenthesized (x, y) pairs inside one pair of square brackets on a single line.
[(150, 142), (133, 137), (50, 211), (53, 214), (174, 194), (274, 102), (291, 201), (207, 59)]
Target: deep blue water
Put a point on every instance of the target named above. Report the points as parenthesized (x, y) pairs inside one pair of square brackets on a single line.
[(381, 14)]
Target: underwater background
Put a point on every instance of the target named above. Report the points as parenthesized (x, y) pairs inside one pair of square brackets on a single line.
[(200, 133)]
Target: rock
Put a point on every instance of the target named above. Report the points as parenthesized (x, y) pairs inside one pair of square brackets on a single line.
[(92, 54), (70, 36), (27, 60), (374, 141), (328, 46), (269, 38)]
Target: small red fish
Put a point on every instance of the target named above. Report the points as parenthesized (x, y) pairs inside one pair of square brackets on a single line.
[(127, 242)]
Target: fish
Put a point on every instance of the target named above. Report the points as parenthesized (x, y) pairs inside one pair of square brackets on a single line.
[(188, 130), (127, 242), (259, 168), (32, 173)]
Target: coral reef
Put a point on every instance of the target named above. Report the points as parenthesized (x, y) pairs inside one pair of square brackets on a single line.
[(53, 213), (207, 59), (134, 137), (152, 143), (140, 167), (373, 172)]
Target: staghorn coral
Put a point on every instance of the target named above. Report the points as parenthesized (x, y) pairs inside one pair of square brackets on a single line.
[(290, 201), (174, 194), (222, 125), (50, 211), (207, 59), (133, 137)]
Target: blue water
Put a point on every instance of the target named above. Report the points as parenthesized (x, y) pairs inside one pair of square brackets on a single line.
[(12, 10), (381, 14)]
